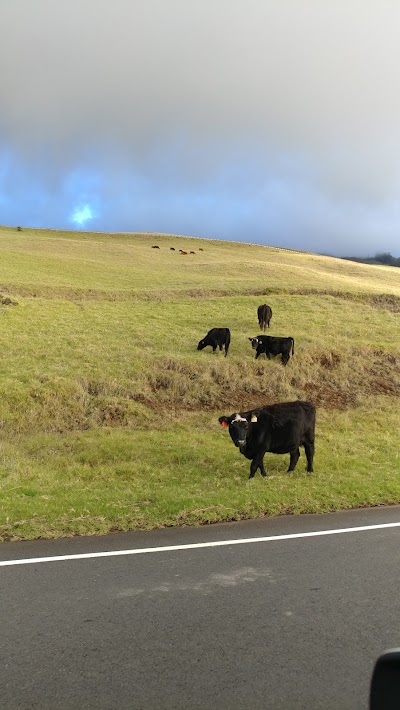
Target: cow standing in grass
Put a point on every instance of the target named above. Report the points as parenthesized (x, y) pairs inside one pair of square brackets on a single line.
[(271, 345), (277, 428), (264, 314), (216, 337)]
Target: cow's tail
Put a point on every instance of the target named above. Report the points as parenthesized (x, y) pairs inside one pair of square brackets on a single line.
[(292, 339)]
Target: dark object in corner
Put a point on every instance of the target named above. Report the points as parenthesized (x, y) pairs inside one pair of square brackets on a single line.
[(385, 683)]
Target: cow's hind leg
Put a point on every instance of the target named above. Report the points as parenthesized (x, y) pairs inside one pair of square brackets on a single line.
[(309, 449), (294, 457), (285, 359)]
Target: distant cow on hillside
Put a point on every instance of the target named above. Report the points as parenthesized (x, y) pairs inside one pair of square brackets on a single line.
[(155, 247), (273, 346), (216, 337), (264, 314), (278, 428)]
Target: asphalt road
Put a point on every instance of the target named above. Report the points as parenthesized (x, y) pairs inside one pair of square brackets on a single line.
[(293, 623)]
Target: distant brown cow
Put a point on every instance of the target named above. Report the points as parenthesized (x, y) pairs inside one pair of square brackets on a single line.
[(264, 314), (182, 252)]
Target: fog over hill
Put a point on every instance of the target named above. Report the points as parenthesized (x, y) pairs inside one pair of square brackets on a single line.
[(274, 122)]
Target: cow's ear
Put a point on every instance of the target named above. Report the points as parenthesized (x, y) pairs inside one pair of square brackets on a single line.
[(254, 417), (250, 339), (223, 421)]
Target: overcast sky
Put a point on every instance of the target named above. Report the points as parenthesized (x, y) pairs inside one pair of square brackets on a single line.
[(271, 121)]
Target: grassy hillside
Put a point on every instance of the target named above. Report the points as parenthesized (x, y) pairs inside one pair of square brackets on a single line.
[(109, 415)]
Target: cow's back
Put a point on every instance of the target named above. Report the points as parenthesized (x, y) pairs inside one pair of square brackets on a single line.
[(217, 333), (281, 428)]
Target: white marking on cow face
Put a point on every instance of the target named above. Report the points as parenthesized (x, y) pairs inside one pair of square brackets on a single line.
[(254, 418), (238, 418), (238, 429)]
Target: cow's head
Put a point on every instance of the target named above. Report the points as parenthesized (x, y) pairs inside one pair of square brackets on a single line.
[(254, 342), (238, 427), (201, 345)]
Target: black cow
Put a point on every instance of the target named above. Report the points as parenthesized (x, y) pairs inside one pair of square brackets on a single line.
[(220, 337), (277, 428), (264, 314), (270, 345)]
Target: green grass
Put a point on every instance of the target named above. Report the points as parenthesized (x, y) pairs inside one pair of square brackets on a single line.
[(109, 415)]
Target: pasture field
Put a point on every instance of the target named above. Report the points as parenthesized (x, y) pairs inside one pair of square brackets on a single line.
[(109, 415)]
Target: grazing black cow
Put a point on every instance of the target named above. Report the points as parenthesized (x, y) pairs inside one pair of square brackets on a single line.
[(172, 248), (277, 428), (270, 345), (264, 314), (155, 247), (220, 337)]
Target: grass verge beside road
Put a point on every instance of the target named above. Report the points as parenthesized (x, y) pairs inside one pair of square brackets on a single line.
[(188, 473)]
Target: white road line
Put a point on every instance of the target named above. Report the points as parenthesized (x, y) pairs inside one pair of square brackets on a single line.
[(194, 546)]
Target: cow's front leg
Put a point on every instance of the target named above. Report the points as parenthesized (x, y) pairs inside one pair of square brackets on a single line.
[(262, 469), (294, 457), (257, 462)]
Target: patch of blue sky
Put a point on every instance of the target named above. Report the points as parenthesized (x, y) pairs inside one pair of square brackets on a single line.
[(82, 190), (81, 215)]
